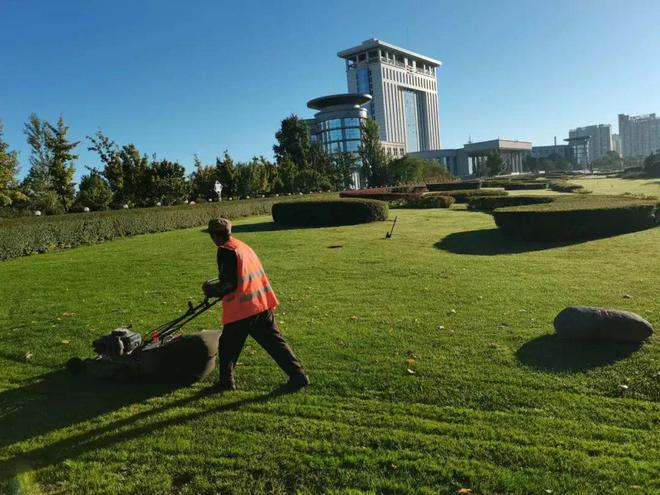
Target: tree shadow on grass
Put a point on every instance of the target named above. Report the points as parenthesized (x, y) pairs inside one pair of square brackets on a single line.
[(490, 242), (550, 353), (59, 400)]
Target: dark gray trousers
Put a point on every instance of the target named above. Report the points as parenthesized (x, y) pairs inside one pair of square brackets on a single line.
[(262, 328)]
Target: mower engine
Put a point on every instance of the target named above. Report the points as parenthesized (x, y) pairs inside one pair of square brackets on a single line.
[(119, 342)]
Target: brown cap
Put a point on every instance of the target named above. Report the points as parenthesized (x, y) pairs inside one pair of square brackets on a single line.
[(219, 225)]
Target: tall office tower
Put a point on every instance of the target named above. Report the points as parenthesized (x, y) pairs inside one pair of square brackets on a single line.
[(404, 88), (616, 144), (640, 135), (600, 139)]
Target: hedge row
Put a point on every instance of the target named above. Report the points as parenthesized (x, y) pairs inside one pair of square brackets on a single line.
[(464, 195), (564, 186), (489, 203), (432, 200), (24, 236), (578, 217), (519, 185), (379, 195), (329, 212), (454, 186)]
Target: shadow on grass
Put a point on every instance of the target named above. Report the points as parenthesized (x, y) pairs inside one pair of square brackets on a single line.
[(60, 400), (550, 353), (490, 242)]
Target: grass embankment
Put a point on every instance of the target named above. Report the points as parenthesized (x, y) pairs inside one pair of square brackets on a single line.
[(431, 355), (602, 185)]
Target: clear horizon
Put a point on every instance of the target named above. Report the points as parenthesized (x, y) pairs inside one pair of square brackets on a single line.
[(176, 79)]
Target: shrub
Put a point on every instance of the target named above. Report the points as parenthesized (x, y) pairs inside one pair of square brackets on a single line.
[(462, 196), (330, 212), (24, 236), (454, 186), (419, 188), (426, 201), (489, 203), (564, 186), (518, 185), (495, 182), (385, 193), (578, 217)]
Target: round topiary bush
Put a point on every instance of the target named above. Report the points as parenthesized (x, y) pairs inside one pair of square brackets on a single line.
[(564, 186), (489, 203), (433, 200), (518, 185), (454, 186), (462, 196), (578, 217), (329, 212)]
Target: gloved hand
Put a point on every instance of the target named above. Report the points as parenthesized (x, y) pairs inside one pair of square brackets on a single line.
[(209, 289)]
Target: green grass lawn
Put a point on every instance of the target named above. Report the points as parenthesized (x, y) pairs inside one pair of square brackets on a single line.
[(602, 185), (433, 363)]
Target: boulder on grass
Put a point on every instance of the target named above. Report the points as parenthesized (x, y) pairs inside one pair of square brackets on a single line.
[(589, 323)]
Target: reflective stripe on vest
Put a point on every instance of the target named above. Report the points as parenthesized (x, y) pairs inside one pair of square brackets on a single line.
[(253, 294)]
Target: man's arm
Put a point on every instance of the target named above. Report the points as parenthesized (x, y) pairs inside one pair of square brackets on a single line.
[(227, 275)]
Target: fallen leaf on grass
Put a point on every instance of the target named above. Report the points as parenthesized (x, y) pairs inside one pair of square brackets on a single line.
[(627, 296), (354, 318), (464, 490), (66, 342), (67, 314), (411, 361), (410, 372), (28, 355)]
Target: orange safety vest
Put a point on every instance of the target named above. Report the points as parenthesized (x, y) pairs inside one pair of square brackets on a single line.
[(253, 294)]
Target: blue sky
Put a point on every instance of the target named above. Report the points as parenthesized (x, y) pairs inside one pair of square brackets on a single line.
[(178, 78)]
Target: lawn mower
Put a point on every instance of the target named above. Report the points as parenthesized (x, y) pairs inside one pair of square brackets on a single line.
[(124, 354)]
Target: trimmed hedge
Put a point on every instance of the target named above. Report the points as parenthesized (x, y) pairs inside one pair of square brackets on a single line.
[(518, 185), (454, 186), (329, 212), (578, 217), (464, 195), (24, 236), (432, 200), (379, 195), (489, 203), (564, 186)]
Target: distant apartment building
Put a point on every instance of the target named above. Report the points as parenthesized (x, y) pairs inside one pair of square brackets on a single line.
[(616, 144), (599, 140), (640, 135), (404, 88)]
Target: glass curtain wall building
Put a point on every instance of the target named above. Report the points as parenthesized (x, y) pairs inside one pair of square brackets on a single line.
[(404, 88), (337, 125)]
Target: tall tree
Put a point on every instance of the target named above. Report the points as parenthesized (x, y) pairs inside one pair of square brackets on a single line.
[(9, 190), (135, 176), (373, 156), (38, 180), (292, 142), (112, 171), (343, 164), (495, 164), (94, 191), (61, 166), (202, 181), (166, 183), (225, 174)]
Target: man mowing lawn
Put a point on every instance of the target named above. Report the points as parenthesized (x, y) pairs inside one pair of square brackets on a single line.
[(248, 302)]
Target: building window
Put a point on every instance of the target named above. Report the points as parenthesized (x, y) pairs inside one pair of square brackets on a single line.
[(335, 135), (334, 123), (352, 133), (352, 146), (410, 114), (352, 122)]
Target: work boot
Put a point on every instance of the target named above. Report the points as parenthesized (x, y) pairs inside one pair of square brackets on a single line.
[(297, 381), (224, 386)]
